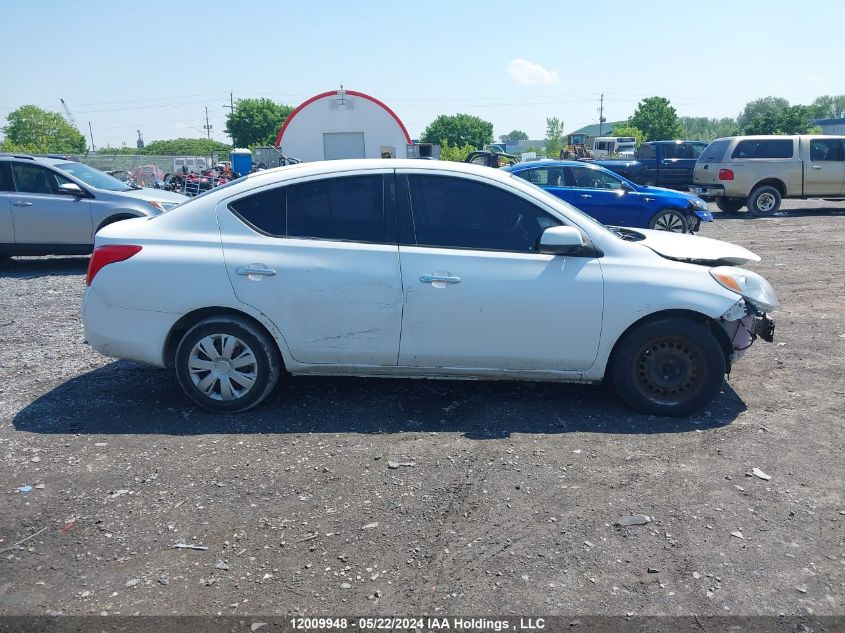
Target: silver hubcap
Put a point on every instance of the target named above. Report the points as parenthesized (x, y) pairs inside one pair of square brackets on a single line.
[(766, 202), (222, 367), (669, 222)]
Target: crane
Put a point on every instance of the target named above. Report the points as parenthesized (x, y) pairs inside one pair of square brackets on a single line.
[(68, 115)]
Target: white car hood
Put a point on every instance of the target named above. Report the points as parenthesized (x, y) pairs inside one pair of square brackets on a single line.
[(159, 195), (685, 247)]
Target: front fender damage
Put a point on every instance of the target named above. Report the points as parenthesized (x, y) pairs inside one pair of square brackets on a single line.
[(744, 323)]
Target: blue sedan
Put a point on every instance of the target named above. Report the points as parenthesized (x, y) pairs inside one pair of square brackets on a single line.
[(614, 200)]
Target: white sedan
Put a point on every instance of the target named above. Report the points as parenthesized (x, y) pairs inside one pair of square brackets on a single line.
[(422, 269)]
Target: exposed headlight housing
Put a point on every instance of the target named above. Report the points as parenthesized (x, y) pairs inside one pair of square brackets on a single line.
[(699, 204), (754, 288), (162, 206)]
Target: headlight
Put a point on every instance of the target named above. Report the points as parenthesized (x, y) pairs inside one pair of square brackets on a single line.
[(700, 204), (751, 286), (155, 203), (162, 206)]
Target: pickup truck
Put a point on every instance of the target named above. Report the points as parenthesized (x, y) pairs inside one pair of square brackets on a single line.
[(660, 164), (759, 171)]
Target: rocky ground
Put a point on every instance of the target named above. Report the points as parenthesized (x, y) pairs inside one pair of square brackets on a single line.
[(405, 497)]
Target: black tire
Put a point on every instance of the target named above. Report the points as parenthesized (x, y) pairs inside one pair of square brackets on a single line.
[(263, 368), (730, 205), (670, 220), (764, 200), (669, 367)]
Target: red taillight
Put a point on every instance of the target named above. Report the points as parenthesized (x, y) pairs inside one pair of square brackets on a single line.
[(105, 255), (726, 174)]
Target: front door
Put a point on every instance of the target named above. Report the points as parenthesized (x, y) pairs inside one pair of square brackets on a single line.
[(319, 258), (7, 188), (478, 294), (824, 173), (601, 194), (41, 214)]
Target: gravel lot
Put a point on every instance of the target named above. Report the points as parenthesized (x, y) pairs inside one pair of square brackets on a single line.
[(353, 496)]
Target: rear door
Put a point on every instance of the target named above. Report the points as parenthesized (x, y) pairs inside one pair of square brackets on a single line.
[(824, 172), (41, 215), (319, 257), (675, 167), (600, 194), (7, 188)]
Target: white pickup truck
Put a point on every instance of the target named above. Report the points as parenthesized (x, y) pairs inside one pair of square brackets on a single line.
[(759, 171)]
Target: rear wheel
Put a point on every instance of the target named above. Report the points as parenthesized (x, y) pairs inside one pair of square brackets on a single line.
[(764, 200), (670, 220), (730, 205), (670, 367), (227, 364)]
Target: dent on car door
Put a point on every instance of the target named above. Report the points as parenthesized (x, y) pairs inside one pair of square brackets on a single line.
[(478, 293), (7, 228), (41, 214), (319, 258)]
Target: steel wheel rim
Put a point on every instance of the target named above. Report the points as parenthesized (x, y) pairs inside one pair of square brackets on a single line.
[(766, 202), (669, 370), (670, 222), (222, 367)]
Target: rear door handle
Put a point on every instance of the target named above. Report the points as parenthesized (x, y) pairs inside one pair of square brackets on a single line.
[(444, 279), (21, 203), (817, 167), (255, 269)]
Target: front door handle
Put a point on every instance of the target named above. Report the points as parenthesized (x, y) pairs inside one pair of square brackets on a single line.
[(817, 166), (443, 279), (585, 195), (255, 269), (21, 203)]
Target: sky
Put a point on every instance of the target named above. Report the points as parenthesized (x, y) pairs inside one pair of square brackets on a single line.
[(155, 66)]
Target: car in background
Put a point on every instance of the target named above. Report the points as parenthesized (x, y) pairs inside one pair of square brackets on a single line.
[(422, 269), (614, 200), (659, 164), (55, 206), (760, 171)]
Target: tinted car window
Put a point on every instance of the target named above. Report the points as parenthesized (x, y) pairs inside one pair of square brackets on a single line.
[(674, 150), (694, 150), (543, 176), (6, 183), (715, 151), (646, 152), (350, 208), (764, 148), (458, 213), (588, 178), (36, 179), (826, 149), (264, 211)]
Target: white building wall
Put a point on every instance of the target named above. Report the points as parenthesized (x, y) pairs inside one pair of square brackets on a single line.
[(303, 136)]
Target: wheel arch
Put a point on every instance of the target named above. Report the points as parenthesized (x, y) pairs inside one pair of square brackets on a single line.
[(712, 324), (777, 183), (117, 217), (190, 319)]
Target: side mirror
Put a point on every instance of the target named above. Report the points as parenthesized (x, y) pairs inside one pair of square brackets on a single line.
[(72, 189), (560, 240), (626, 187)]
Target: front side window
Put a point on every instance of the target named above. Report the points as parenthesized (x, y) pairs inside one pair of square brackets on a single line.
[(459, 213), (826, 149), (674, 150), (93, 177), (590, 178), (694, 150), (36, 179)]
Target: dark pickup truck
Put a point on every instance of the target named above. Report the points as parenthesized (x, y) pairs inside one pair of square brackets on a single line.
[(660, 164)]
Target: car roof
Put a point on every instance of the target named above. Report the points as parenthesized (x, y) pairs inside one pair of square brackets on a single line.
[(548, 163), (44, 160)]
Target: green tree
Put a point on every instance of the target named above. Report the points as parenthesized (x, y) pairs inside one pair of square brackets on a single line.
[(626, 129), (256, 121), (455, 153), (657, 119), (761, 108), (459, 130), (703, 129), (185, 147), (828, 107), (514, 135), (37, 131), (554, 136), (788, 120)]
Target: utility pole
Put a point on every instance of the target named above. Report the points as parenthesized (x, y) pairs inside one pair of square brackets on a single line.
[(231, 108), (601, 113), (207, 125), (91, 132)]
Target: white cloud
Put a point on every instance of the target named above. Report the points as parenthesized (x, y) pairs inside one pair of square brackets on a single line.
[(524, 72)]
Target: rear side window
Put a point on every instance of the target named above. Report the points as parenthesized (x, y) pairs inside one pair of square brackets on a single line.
[(350, 208), (458, 213), (6, 183), (764, 148), (264, 211), (646, 152), (543, 176), (715, 152)]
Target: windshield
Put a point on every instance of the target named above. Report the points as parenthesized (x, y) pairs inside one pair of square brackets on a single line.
[(93, 177)]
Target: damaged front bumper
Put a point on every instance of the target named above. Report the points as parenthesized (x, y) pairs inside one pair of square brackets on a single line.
[(744, 323)]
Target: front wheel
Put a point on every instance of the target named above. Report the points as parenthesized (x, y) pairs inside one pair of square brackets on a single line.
[(227, 364), (670, 220), (668, 367)]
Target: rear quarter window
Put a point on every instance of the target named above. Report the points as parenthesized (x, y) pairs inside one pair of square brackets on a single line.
[(764, 148), (714, 152)]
